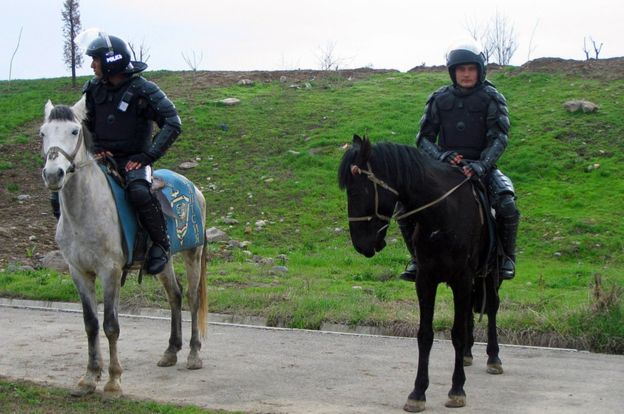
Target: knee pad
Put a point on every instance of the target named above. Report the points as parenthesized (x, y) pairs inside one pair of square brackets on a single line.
[(138, 193), (507, 207)]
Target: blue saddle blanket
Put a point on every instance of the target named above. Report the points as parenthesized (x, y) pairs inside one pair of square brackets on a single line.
[(184, 220)]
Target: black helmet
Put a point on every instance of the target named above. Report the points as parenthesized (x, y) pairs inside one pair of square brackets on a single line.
[(465, 54), (114, 54)]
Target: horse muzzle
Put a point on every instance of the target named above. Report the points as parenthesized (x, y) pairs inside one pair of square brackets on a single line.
[(54, 178)]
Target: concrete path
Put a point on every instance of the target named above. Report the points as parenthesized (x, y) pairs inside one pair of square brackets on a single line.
[(264, 370)]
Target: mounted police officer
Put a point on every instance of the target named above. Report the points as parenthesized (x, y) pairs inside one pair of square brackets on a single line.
[(121, 106), (467, 123)]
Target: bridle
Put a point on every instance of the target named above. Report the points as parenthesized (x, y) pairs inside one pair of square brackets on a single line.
[(55, 151), (378, 182)]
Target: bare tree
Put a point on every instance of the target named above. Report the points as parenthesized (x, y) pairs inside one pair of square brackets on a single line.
[(503, 37), (19, 38), (597, 49), (140, 52), (327, 59), (531, 46), (194, 62), (585, 50), (480, 34), (71, 27)]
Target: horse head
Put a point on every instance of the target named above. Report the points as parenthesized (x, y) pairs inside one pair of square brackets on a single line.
[(370, 201), (62, 140)]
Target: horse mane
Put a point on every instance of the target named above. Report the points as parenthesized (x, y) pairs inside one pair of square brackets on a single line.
[(62, 113), (405, 163)]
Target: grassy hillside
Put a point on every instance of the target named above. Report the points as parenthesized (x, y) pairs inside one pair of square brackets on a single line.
[(274, 157)]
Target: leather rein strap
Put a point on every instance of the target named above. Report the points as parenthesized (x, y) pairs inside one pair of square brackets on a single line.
[(377, 182)]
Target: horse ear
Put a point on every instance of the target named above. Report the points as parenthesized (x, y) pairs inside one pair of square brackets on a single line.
[(47, 109), (357, 140), (80, 108), (366, 150)]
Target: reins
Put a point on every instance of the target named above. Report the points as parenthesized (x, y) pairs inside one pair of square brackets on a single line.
[(378, 182)]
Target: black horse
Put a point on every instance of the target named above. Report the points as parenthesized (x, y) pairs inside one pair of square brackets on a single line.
[(450, 241)]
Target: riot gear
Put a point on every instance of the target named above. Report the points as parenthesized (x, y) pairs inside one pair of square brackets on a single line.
[(120, 113), (474, 123)]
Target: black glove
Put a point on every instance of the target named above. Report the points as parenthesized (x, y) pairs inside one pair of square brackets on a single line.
[(142, 158), (449, 156), (478, 168)]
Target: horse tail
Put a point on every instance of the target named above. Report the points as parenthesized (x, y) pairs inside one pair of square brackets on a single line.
[(203, 294)]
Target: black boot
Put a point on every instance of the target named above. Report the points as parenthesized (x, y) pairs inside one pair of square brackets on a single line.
[(153, 222), (56, 204), (508, 232), (411, 270)]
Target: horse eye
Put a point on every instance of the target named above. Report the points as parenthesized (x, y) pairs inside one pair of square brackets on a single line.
[(41, 134), (75, 131)]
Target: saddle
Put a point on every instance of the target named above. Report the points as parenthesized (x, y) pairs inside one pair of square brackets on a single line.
[(180, 207)]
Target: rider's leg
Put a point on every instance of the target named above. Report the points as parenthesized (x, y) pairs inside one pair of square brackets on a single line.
[(151, 217), (507, 219)]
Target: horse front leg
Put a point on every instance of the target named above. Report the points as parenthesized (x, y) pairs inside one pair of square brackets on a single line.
[(85, 284), (111, 283), (494, 364), (426, 291), (174, 296), (462, 303)]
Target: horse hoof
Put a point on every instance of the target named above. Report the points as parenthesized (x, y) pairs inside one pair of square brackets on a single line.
[(467, 361), (194, 363), (456, 401), (82, 390), (494, 369), (168, 360), (414, 406), (112, 390)]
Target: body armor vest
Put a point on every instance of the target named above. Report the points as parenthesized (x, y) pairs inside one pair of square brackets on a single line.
[(463, 121), (117, 121)]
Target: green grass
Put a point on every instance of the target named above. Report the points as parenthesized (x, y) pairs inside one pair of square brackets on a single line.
[(27, 398), (274, 157)]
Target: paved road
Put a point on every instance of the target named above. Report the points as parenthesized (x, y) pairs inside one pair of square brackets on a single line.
[(262, 370)]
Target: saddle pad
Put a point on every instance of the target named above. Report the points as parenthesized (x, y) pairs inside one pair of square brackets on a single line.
[(184, 226)]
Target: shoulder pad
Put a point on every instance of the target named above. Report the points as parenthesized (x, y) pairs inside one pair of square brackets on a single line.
[(88, 85), (495, 94), (436, 93), (144, 86)]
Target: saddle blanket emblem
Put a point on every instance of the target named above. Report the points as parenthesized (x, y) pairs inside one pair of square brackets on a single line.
[(182, 214)]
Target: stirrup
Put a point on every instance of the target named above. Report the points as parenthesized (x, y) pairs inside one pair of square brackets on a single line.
[(411, 271), (508, 269), (157, 259)]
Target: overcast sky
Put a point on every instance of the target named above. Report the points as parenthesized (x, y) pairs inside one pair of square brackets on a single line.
[(292, 34)]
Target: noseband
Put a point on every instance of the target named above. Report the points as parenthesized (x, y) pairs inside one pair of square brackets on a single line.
[(377, 182), (53, 153)]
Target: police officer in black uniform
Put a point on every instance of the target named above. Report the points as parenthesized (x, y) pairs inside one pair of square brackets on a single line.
[(468, 122), (121, 106)]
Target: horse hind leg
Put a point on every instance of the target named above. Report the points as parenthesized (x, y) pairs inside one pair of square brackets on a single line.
[(469, 341), (195, 263), (494, 363), (174, 295), (111, 286)]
